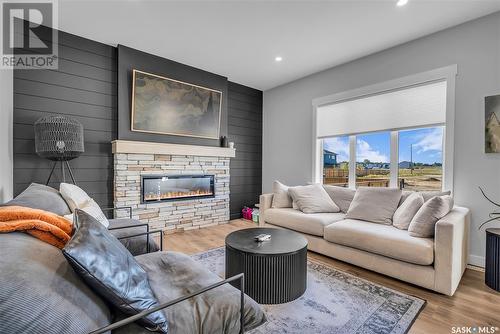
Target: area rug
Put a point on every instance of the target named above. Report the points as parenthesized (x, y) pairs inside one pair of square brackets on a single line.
[(334, 303)]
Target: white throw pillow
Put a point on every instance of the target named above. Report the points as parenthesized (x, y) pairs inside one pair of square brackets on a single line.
[(75, 196), (281, 198), (93, 209), (406, 211), (376, 205), (424, 222), (340, 196), (312, 199)]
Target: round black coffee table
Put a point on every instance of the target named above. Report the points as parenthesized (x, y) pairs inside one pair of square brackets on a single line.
[(275, 270)]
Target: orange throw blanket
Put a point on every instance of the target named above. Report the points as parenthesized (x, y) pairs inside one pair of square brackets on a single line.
[(44, 225)]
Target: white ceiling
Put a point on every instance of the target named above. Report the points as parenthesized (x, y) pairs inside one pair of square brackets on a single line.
[(240, 39)]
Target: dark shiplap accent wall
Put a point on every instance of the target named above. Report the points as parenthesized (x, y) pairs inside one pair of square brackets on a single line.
[(245, 129), (84, 88)]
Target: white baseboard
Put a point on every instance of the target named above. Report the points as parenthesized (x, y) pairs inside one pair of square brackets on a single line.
[(477, 261)]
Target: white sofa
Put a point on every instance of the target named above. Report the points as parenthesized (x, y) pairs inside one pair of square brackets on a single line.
[(433, 263)]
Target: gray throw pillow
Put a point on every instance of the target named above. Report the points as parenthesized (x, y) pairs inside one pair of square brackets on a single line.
[(111, 271), (430, 194), (281, 198), (341, 196), (42, 197), (312, 199), (404, 195), (424, 222), (376, 205), (406, 211)]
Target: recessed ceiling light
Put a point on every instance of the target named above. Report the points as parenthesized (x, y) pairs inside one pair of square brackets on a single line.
[(278, 58), (401, 3)]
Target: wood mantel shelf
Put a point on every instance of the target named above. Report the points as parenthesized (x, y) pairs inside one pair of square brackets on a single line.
[(141, 147)]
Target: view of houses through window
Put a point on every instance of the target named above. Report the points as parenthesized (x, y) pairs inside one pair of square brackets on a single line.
[(420, 157), (373, 153), (336, 161)]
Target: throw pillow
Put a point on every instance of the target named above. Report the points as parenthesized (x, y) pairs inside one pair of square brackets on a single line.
[(77, 198), (404, 195), (281, 199), (341, 196), (93, 209), (430, 194), (375, 205), (111, 271), (424, 222), (312, 199), (39, 196), (406, 211)]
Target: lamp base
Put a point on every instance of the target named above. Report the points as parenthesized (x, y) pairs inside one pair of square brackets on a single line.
[(63, 173)]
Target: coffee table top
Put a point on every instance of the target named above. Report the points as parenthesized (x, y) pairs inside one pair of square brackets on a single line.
[(282, 241)]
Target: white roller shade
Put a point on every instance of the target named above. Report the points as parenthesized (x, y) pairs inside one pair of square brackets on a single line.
[(411, 107)]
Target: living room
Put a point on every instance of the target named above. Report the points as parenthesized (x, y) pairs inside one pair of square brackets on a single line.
[(240, 166)]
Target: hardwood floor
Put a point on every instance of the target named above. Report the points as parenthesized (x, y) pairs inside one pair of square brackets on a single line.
[(474, 304)]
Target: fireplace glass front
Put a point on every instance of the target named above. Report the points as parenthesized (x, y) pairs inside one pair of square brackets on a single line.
[(157, 188)]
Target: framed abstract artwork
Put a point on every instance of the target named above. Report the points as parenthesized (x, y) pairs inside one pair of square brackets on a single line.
[(166, 106), (492, 124)]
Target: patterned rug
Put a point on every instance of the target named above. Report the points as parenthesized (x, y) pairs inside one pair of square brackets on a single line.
[(334, 302)]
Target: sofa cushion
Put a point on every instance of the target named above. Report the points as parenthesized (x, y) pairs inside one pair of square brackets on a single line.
[(424, 223), (77, 198), (404, 195), (381, 239), (375, 205), (406, 211), (173, 275), (41, 293), (281, 198), (312, 199), (106, 266), (341, 196), (430, 194), (39, 196), (312, 223), (93, 209)]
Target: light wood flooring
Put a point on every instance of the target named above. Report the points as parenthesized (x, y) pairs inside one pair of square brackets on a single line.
[(474, 304)]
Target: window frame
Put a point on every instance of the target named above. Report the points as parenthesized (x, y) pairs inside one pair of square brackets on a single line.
[(447, 74)]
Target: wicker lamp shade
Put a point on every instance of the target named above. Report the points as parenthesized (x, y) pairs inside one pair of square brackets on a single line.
[(58, 138)]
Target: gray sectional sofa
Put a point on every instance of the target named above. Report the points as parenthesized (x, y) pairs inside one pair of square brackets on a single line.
[(40, 292), (434, 263)]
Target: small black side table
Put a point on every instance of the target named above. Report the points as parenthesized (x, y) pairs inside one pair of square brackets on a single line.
[(492, 268), (275, 270)]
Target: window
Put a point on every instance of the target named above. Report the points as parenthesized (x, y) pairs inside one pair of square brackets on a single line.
[(373, 159), (399, 133), (336, 161), (421, 159)]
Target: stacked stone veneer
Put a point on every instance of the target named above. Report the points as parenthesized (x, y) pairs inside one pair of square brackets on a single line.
[(171, 216)]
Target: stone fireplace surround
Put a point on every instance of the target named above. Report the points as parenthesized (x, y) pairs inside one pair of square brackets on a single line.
[(133, 159)]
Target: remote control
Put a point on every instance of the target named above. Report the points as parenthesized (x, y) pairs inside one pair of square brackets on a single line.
[(262, 237)]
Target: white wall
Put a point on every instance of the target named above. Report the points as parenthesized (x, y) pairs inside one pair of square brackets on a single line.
[(473, 46), (6, 156)]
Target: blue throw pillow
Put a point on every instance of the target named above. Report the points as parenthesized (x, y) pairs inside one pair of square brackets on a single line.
[(111, 271)]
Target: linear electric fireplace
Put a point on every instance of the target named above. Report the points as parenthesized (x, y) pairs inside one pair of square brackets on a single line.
[(157, 188)]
